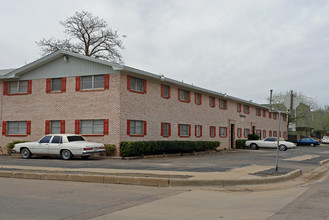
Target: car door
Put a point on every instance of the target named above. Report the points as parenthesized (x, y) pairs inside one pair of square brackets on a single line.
[(55, 145), (42, 146), (269, 142)]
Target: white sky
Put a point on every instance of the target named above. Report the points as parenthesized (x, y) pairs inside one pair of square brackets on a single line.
[(240, 47)]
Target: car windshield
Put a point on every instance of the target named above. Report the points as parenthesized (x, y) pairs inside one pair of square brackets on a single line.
[(75, 138)]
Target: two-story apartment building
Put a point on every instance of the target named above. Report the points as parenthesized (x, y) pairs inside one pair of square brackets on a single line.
[(66, 92)]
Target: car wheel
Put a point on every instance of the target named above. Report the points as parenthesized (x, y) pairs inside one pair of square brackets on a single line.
[(282, 148), (312, 145), (66, 154), (26, 153), (253, 147)]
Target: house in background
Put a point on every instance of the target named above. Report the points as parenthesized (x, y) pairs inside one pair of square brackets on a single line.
[(65, 92)]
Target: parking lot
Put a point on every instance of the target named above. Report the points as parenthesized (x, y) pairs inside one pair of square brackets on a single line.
[(304, 158)]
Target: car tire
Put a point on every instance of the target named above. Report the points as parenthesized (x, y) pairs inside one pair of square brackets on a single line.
[(282, 148), (253, 146), (66, 154), (26, 153), (312, 145)]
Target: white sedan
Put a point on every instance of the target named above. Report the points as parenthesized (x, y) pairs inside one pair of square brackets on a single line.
[(270, 142), (64, 145)]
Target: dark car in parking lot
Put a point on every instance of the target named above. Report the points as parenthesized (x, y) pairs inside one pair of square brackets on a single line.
[(307, 141)]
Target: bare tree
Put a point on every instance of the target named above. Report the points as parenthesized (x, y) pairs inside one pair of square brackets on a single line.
[(89, 35)]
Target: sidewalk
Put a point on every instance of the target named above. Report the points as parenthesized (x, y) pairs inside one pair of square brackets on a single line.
[(247, 175)]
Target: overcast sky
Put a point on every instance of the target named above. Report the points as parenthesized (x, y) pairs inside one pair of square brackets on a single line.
[(240, 47)]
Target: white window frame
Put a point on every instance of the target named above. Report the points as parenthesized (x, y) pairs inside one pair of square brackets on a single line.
[(18, 88), (16, 127), (95, 79)]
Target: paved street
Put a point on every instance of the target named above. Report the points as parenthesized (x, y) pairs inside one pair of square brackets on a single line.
[(305, 158)]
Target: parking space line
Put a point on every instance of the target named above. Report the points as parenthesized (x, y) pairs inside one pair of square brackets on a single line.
[(301, 158)]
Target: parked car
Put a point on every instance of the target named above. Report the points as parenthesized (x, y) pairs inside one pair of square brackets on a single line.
[(307, 141), (325, 140), (270, 142), (64, 145)]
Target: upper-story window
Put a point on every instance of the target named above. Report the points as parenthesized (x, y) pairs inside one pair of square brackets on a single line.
[(92, 82), (238, 107), (17, 87), (165, 91), (284, 116), (184, 95), (258, 111), (246, 109), (222, 104), (274, 115), (136, 84), (198, 98), (212, 101), (56, 85), (264, 113)]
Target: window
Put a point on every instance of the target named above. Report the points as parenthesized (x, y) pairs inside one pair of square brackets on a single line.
[(264, 133), (259, 133), (285, 134), (56, 85), (184, 95), (55, 127), (275, 133), (92, 127), (223, 132), (198, 130), (239, 132), (264, 113), (184, 130), (270, 114), (135, 84), (16, 128), (246, 109), (92, 82), (284, 116), (246, 132), (17, 87), (165, 91), (222, 104), (274, 115), (45, 139), (136, 128), (57, 140), (212, 101), (238, 107), (198, 98), (165, 129), (258, 111), (270, 133), (212, 131)]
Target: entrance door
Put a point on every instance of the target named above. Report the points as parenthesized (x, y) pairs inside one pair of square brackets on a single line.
[(232, 135)]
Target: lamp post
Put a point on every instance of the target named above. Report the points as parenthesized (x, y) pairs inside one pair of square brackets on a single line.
[(278, 134)]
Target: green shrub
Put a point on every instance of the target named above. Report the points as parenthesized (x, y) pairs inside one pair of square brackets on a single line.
[(110, 149), (240, 143), (10, 146), (139, 148), (253, 137)]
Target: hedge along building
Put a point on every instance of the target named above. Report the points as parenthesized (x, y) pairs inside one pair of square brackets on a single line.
[(66, 92)]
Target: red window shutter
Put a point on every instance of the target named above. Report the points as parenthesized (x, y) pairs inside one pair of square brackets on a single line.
[(161, 124), (106, 126), (28, 127), (62, 126), (106, 81), (128, 82), (48, 85), (4, 128), (145, 86), (145, 131), (189, 130), (128, 127), (29, 87), (179, 130), (47, 128), (5, 88), (64, 84), (169, 127), (77, 127), (77, 83)]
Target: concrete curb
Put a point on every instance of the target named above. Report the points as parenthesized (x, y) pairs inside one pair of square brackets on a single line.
[(148, 181), (323, 162)]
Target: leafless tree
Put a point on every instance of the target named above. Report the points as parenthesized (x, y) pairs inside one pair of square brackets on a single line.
[(88, 35)]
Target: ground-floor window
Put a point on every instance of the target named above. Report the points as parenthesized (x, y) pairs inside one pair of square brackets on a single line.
[(16, 128), (264, 133), (223, 132), (55, 127), (198, 130), (136, 128), (239, 132), (259, 133), (212, 131), (275, 134), (165, 129), (184, 130), (246, 132), (92, 127)]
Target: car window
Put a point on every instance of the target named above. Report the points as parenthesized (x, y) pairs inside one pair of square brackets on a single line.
[(45, 139), (75, 138), (57, 140), (270, 139)]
